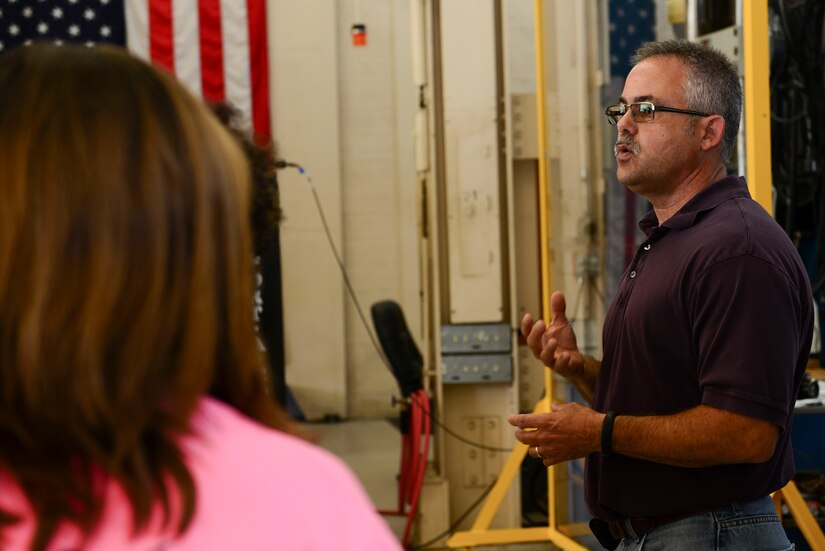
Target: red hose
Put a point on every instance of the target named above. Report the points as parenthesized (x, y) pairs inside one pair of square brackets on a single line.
[(421, 445), (415, 447)]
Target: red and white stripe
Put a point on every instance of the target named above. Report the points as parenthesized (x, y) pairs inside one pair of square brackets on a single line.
[(217, 48)]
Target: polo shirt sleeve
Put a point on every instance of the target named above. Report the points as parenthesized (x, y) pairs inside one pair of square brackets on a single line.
[(746, 316)]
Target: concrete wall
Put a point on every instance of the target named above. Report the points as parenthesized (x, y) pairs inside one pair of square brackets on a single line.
[(377, 105), (345, 114)]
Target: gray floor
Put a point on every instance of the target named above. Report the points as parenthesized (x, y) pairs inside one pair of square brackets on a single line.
[(371, 449)]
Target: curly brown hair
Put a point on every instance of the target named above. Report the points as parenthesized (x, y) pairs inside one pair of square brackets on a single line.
[(266, 211)]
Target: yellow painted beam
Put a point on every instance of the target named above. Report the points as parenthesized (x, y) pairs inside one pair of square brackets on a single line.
[(757, 101), (480, 534), (575, 529), (544, 222), (800, 512), (491, 537), (544, 180), (514, 535), (505, 478), (503, 482)]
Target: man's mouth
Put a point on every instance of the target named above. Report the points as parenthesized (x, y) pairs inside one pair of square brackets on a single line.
[(624, 150)]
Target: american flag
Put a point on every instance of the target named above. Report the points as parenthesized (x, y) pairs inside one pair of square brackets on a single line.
[(217, 48)]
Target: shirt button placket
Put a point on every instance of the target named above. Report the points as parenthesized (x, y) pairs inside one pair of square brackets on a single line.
[(632, 273)]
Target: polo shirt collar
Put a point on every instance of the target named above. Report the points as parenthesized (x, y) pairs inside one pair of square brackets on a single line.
[(709, 198)]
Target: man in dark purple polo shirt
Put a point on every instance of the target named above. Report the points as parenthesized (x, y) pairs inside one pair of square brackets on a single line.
[(705, 342)]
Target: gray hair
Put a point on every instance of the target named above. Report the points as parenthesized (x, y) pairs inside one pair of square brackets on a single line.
[(711, 82)]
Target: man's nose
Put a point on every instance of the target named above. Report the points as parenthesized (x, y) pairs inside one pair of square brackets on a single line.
[(626, 124)]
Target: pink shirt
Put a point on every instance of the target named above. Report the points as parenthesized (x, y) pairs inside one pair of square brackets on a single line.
[(257, 489)]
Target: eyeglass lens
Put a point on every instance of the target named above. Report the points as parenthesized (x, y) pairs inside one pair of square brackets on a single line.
[(641, 111)]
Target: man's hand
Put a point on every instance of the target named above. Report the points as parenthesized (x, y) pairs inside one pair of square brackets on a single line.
[(569, 431), (555, 345), (701, 436)]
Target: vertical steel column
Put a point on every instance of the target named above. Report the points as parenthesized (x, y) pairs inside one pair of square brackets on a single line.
[(757, 101), (544, 224), (544, 181)]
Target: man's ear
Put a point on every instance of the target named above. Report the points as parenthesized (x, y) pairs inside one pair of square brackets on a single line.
[(712, 131)]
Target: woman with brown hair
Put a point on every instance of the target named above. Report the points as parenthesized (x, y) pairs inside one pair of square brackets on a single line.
[(133, 414)]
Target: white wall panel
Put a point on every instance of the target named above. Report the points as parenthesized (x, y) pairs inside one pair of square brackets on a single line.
[(472, 161), (377, 104), (346, 114), (305, 114)]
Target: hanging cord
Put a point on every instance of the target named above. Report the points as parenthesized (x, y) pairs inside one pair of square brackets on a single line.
[(351, 291), (419, 456), (457, 436), (347, 283)]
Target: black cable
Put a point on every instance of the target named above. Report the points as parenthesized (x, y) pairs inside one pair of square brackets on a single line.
[(798, 119), (457, 436), (783, 19), (338, 260), (351, 291), (797, 83), (449, 531)]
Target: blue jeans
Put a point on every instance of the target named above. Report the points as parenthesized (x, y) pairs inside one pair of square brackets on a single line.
[(752, 526)]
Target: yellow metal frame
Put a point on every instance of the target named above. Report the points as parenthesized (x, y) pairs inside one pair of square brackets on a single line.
[(480, 533), (800, 512)]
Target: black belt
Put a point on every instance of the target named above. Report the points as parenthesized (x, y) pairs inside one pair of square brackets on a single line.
[(619, 528)]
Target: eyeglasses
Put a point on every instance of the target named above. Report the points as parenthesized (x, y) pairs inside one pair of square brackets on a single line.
[(643, 111)]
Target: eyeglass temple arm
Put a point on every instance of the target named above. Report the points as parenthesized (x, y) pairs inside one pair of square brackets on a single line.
[(685, 111)]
